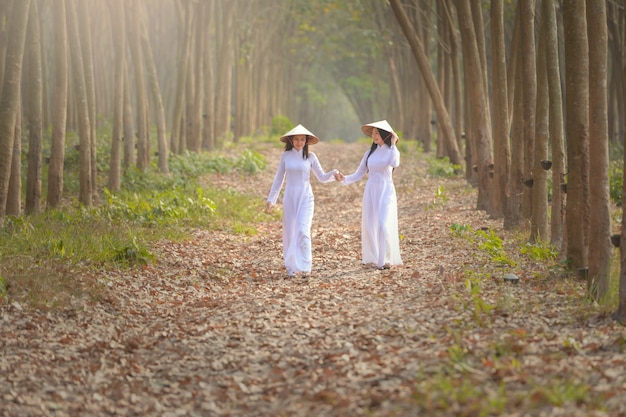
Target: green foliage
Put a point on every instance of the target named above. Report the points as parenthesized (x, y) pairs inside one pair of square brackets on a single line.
[(539, 251), (440, 198), (459, 229), (133, 253), (171, 207), (280, 125), (252, 162), (191, 165), (38, 251), (616, 180), (3, 287), (480, 306), (487, 241), (490, 243), (235, 212), (560, 392), (442, 168)]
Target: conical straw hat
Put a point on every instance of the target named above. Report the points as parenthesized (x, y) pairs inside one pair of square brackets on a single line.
[(383, 124), (300, 130)]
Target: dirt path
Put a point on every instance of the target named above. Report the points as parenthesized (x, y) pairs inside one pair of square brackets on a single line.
[(214, 329)]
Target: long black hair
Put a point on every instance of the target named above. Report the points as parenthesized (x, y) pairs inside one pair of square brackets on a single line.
[(305, 150), (386, 137)]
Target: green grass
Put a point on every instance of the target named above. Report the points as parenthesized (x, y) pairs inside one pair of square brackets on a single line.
[(45, 258)]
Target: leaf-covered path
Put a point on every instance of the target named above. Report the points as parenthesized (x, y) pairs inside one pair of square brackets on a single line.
[(215, 329)]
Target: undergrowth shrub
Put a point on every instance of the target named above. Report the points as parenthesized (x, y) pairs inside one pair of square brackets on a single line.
[(442, 168), (157, 207), (616, 179), (44, 258)]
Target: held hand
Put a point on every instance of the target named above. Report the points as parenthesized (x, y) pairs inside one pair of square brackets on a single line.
[(339, 176), (268, 207)]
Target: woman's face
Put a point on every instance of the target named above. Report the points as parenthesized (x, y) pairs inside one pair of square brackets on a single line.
[(298, 142), (378, 140)]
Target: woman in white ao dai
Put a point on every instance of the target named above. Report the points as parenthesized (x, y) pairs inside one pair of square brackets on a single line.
[(295, 167), (380, 242)]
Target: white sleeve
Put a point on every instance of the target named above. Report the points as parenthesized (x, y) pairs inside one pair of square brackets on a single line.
[(279, 179), (360, 171), (318, 171), (395, 158)]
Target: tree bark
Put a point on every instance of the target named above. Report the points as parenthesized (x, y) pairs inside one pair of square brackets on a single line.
[(620, 314), (184, 45), (59, 117), (557, 219), (80, 93), (155, 89), (129, 121), (84, 28), (224, 75), (501, 146), (513, 211), (35, 110), (477, 104), (577, 130), (133, 24), (9, 101), (14, 200), (539, 190), (529, 71), (118, 24), (208, 125), (445, 123), (599, 200)]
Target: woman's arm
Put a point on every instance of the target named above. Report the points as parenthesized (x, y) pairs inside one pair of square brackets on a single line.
[(395, 157), (318, 171), (279, 179), (360, 171)]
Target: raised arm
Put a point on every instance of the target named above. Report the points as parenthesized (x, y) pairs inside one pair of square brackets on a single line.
[(318, 171), (359, 173)]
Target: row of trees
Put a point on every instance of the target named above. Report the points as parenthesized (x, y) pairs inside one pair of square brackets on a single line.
[(508, 88)]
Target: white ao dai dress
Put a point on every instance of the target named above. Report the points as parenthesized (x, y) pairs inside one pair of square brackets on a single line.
[(298, 204), (380, 242)]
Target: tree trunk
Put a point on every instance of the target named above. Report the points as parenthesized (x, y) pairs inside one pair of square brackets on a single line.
[(195, 116), (223, 96), (616, 92), (556, 125), (14, 200), (155, 88), (118, 25), (479, 31), (80, 93), (529, 71), (478, 105), (445, 123), (133, 24), (208, 126), (599, 201), (84, 28), (9, 100), (459, 112), (577, 130), (423, 112), (35, 109), (184, 45), (129, 121), (59, 117), (539, 210), (501, 146), (620, 314), (513, 210)]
